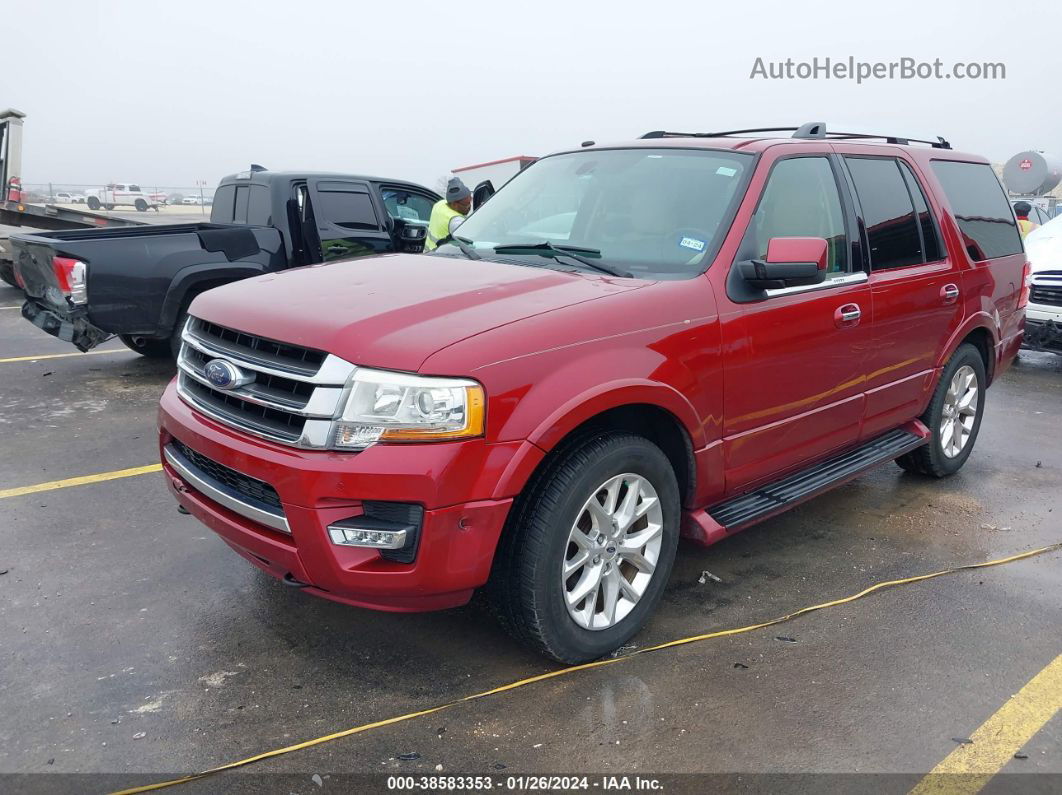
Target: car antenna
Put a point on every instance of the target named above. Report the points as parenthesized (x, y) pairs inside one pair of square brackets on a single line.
[(255, 168), (587, 143)]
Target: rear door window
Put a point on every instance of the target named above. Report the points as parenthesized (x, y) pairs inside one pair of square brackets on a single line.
[(347, 205), (931, 245), (984, 215), (888, 213)]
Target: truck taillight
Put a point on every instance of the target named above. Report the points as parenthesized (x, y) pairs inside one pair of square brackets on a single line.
[(14, 189), (1026, 285), (71, 277)]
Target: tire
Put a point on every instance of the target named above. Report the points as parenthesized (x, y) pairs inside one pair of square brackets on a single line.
[(940, 457), (150, 348), (527, 590), (141, 206), (93, 203)]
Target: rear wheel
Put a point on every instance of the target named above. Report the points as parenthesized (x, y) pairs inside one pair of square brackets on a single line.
[(953, 417), (7, 274), (589, 548)]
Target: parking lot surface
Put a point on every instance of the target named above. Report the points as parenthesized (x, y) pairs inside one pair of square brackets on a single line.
[(133, 641)]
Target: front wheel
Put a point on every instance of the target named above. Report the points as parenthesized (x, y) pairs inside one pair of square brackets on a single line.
[(953, 417), (589, 548), (141, 206), (94, 203)]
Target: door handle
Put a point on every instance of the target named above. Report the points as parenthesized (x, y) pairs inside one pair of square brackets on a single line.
[(847, 315), (949, 293)]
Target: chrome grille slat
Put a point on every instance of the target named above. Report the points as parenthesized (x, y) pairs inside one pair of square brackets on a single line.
[(255, 349), (292, 405)]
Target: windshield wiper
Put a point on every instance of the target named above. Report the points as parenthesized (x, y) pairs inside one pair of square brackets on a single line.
[(462, 244), (547, 249)]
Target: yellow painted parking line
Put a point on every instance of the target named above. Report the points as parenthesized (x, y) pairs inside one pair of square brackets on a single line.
[(83, 480), (60, 355), (968, 768), (508, 688)]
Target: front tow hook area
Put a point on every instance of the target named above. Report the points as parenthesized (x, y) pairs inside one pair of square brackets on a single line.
[(291, 582)]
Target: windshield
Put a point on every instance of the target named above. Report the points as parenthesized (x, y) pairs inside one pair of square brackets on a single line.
[(652, 213)]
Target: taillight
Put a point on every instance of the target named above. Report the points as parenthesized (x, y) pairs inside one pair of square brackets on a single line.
[(1026, 285), (14, 190), (70, 275)]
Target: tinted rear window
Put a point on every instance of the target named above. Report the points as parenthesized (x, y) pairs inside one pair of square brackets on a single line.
[(222, 210), (241, 204), (981, 209)]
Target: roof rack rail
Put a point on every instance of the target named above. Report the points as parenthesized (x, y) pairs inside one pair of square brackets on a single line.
[(814, 130)]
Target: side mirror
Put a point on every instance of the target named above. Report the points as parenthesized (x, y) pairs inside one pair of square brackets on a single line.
[(482, 192), (790, 262), (455, 222)]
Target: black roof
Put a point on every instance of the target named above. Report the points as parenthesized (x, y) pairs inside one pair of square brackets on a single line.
[(266, 177)]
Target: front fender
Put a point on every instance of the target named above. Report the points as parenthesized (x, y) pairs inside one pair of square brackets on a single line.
[(551, 406)]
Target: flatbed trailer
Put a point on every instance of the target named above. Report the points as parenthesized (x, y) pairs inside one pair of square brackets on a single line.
[(16, 212)]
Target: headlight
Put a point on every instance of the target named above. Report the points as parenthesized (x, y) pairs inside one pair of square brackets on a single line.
[(396, 407)]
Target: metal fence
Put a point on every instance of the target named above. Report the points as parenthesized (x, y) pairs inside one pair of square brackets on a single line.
[(73, 193)]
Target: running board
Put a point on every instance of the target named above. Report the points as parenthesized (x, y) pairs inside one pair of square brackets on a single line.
[(738, 512)]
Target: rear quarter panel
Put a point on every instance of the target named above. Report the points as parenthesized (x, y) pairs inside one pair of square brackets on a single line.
[(990, 288), (132, 273)]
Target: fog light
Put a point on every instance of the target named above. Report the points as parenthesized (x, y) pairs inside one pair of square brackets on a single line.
[(352, 536)]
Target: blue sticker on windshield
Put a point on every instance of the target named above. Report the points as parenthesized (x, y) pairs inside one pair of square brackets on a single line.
[(692, 243)]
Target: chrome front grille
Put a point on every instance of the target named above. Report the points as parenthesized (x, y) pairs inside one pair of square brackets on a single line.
[(1049, 294), (293, 396)]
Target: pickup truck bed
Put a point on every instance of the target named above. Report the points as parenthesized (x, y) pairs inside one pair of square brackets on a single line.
[(139, 278), (136, 283)]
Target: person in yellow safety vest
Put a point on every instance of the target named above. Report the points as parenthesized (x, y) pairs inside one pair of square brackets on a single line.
[(1022, 210), (458, 201)]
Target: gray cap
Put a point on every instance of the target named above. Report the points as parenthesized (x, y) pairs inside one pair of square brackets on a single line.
[(456, 190)]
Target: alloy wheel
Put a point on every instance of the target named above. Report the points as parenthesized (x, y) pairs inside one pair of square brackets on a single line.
[(612, 551), (959, 411)]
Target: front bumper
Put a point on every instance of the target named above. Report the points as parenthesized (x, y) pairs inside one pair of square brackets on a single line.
[(455, 483), (1043, 335)]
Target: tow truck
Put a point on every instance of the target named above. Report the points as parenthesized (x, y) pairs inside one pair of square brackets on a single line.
[(16, 212)]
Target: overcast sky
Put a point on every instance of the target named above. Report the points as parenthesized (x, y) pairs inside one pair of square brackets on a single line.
[(167, 93)]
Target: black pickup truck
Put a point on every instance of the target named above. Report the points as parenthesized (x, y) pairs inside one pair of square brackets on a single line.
[(85, 286)]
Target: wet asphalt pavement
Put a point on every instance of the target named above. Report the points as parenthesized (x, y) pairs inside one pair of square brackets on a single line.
[(133, 641)]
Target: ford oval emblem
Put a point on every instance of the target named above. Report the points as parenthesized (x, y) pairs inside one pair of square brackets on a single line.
[(225, 375)]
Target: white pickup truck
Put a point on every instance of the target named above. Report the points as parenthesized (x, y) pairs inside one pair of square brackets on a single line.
[(122, 194), (1043, 315)]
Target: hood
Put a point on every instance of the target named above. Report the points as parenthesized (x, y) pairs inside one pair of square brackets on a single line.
[(1043, 247), (394, 311)]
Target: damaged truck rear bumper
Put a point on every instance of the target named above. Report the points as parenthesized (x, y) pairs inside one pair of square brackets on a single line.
[(72, 326)]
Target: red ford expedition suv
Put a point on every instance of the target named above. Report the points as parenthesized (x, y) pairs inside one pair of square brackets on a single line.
[(681, 335)]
